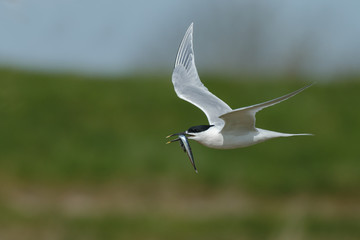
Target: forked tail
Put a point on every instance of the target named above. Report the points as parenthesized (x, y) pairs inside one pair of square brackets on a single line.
[(295, 134), (267, 134)]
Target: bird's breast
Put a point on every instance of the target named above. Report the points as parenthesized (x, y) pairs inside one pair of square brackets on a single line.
[(212, 141)]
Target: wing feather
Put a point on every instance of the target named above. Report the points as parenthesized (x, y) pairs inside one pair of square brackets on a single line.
[(243, 119), (188, 86)]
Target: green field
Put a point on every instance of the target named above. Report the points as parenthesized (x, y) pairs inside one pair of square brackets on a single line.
[(85, 158)]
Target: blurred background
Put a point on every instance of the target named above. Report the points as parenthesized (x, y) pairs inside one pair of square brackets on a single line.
[(86, 101)]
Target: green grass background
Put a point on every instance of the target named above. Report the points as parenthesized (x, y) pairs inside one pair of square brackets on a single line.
[(85, 158)]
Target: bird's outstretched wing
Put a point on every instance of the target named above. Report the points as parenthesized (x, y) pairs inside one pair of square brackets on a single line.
[(188, 86), (243, 119)]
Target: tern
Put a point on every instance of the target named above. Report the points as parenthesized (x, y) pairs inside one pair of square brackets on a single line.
[(227, 128)]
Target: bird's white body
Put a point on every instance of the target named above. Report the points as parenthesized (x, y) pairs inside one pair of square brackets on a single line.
[(228, 128), (213, 138)]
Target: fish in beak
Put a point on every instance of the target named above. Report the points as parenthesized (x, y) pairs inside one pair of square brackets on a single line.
[(184, 143)]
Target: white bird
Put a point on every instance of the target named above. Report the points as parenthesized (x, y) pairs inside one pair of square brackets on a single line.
[(227, 128)]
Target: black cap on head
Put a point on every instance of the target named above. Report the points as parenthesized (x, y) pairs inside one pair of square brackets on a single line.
[(199, 128)]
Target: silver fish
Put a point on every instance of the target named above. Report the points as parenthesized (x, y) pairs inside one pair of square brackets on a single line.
[(184, 143)]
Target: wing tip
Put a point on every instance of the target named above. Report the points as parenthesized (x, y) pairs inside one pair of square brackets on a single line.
[(307, 86), (182, 52), (189, 31), (191, 25)]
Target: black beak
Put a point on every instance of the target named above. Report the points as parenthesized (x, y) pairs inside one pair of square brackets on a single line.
[(178, 134), (184, 143)]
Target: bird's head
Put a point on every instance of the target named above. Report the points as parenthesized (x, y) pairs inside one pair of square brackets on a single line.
[(197, 131)]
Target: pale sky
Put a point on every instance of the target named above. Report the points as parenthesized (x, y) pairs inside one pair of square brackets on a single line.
[(112, 36)]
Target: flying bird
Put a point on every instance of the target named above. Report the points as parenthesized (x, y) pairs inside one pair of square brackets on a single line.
[(227, 128)]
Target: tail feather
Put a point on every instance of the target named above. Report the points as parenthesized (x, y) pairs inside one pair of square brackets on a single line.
[(295, 134), (272, 134)]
